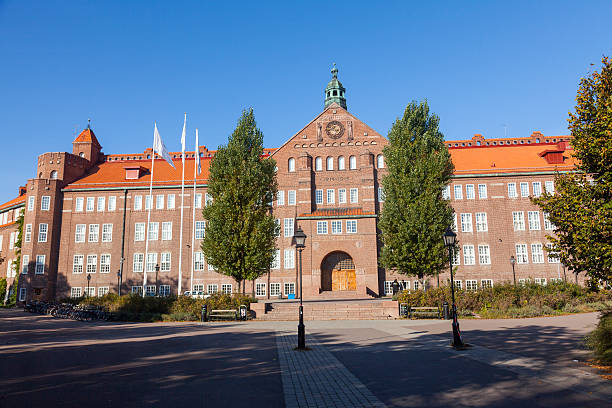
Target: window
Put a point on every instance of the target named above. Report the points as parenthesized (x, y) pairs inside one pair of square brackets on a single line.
[(22, 294), (512, 190), (540, 281), (165, 262), (388, 288), (94, 232), (318, 196), (352, 162), (275, 289), (482, 191), (112, 203), (198, 200), (484, 255), (198, 288), (553, 257), (291, 197), (415, 285), (78, 206), (291, 164), (137, 290), (330, 163), (537, 188), (90, 204), (331, 196), (280, 198), (164, 290), (547, 224), (77, 263), (524, 189), (380, 161), (200, 229), (318, 164), (481, 222), (170, 205), (42, 232), (288, 227), (153, 231), (102, 290), (12, 240), (471, 285), (533, 217), (79, 235), (105, 260), (101, 204), (227, 288), (107, 232), (151, 261), (342, 196), (276, 260), (92, 263), (336, 226), (211, 267), (45, 203), (166, 230), (458, 284), (208, 199), (150, 290), (138, 264), (159, 202), (198, 261), (75, 292), (25, 264), (289, 288), (458, 189), (148, 200), (139, 231), (468, 255), (446, 193), (321, 227), (466, 222), (351, 226), (521, 254), (138, 202), (32, 199), (381, 195), (537, 255), (469, 192), (212, 288), (486, 283), (260, 289), (518, 220), (549, 186), (354, 195), (341, 166), (278, 226), (289, 258), (454, 222), (27, 236)]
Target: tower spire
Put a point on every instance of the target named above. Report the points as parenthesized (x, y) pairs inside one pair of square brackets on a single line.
[(334, 92)]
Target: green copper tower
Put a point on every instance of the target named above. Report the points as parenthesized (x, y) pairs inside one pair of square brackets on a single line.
[(334, 91)]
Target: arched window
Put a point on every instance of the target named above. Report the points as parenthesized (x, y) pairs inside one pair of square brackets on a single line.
[(352, 162), (54, 175), (82, 154), (291, 164), (341, 165), (318, 164), (330, 163), (380, 162)]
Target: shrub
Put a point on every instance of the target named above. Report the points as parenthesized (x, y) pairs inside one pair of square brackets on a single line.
[(600, 339), (2, 289)]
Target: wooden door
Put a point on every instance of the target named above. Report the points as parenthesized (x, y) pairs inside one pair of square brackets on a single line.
[(344, 279)]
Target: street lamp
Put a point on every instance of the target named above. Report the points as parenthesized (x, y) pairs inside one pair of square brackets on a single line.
[(88, 279), (512, 262), (156, 273), (119, 282), (450, 238), (300, 239)]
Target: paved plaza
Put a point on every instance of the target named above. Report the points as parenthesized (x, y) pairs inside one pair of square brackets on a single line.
[(513, 363)]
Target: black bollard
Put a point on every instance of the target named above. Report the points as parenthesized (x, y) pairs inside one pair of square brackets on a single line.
[(204, 316)]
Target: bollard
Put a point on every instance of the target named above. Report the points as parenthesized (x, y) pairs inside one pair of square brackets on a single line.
[(445, 311), (204, 316)]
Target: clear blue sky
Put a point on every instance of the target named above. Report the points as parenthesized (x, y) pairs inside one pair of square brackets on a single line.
[(480, 64)]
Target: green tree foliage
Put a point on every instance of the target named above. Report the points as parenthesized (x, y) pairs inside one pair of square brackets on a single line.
[(581, 209), (241, 231), (414, 215)]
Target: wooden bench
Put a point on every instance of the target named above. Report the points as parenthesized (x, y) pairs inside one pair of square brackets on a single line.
[(425, 312), (220, 314)]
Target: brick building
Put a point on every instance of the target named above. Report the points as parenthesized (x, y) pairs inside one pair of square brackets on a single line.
[(86, 214)]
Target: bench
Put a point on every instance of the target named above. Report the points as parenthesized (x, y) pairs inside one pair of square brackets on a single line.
[(425, 312), (220, 314)]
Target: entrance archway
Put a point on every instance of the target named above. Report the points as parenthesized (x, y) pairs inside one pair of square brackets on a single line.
[(338, 272)]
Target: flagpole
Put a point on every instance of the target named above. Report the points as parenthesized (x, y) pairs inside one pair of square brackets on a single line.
[(146, 258), (195, 175), (180, 274)]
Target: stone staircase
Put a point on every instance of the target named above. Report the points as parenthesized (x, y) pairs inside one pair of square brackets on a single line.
[(369, 309)]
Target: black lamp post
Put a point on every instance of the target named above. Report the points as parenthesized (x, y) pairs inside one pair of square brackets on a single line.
[(512, 262), (300, 239), (119, 282), (156, 273), (88, 279), (450, 238)]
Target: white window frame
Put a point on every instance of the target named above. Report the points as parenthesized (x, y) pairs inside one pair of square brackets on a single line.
[(319, 196), (518, 220), (275, 260), (22, 294), (331, 196), (159, 201), (329, 163), (166, 231), (93, 233), (170, 204), (112, 203), (352, 162), (165, 262), (151, 262), (354, 195), (226, 288), (336, 226), (78, 261), (522, 257), (458, 191), (45, 203), (288, 227), (318, 164), (482, 191), (536, 187), (164, 290), (90, 203), (212, 288), (446, 193), (321, 227), (351, 226), (466, 222), (481, 222), (101, 205), (91, 265), (198, 261), (198, 200), (79, 233), (470, 193), (537, 253), (342, 196), (512, 190), (76, 292), (469, 257), (43, 230), (31, 203), (289, 258), (533, 217), (137, 202), (291, 165), (260, 289), (139, 231), (289, 288), (27, 235), (524, 187), (484, 254), (153, 231), (25, 264), (341, 163), (275, 289), (107, 232), (40, 264), (549, 187), (280, 198), (291, 197), (200, 229), (471, 285), (138, 263), (105, 263), (486, 283)]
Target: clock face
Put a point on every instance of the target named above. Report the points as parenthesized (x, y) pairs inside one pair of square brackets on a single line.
[(334, 129)]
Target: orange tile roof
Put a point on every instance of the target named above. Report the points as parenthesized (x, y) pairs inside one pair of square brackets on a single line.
[(15, 201), (337, 212), (87, 135)]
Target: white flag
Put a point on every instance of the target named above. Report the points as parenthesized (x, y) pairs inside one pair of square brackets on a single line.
[(183, 137), (197, 154), (159, 148)]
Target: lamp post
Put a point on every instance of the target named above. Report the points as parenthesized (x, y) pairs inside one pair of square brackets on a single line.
[(300, 239), (119, 282), (88, 279), (156, 285), (512, 262), (450, 238)]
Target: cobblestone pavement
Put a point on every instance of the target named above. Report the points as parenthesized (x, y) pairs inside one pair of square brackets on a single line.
[(314, 378)]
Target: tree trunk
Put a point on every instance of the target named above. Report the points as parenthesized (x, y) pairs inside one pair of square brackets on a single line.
[(253, 288)]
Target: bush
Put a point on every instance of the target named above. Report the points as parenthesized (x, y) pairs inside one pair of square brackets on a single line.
[(600, 340), (2, 289)]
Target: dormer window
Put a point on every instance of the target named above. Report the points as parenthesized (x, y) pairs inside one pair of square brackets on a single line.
[(82, 154), (133, 172)]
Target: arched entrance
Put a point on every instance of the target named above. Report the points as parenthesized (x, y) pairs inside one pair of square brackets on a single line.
[(338, 272)]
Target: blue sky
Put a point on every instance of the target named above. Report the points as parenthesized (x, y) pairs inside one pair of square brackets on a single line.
[(480, 64)]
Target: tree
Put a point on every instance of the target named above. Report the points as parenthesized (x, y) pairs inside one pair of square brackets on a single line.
[(241, 231), (581, 208), (415, 215)]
